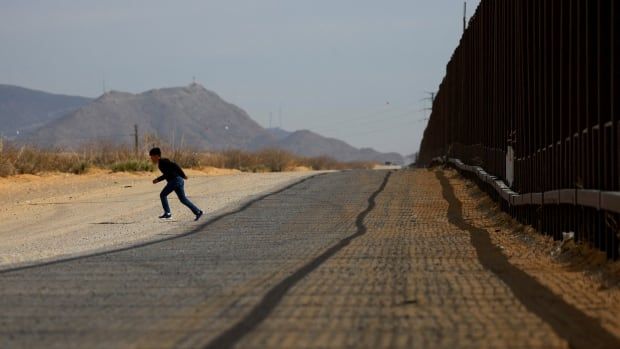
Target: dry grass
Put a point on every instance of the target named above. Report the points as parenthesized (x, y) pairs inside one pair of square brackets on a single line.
[(133, 166), (32, 160), (29, 160)]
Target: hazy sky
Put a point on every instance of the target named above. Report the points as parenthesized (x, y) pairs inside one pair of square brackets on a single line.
[(356, 70)]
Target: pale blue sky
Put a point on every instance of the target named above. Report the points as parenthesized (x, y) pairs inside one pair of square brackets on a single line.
[(329, 66)]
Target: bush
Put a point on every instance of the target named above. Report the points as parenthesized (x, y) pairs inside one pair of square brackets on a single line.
[(217, 160), (6, 168), (240, 160), (186, 158), (80, 167), (320, 163), (133, 166), (276, 160), (33, 160)]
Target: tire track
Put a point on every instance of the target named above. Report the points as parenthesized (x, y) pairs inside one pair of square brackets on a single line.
[(272, 298)]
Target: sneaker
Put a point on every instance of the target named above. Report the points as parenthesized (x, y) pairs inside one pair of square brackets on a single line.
[(166, 215), (198, 215)]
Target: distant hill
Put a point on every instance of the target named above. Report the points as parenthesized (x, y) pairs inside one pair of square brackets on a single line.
[(186, 116), (308, 143), (190, 116), (23, 109), (278, 133)]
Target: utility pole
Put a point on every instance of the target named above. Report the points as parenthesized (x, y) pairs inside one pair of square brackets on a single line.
[(135, 138), (431, 97)]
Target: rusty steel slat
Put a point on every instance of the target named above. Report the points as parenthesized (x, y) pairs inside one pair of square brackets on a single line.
[(541, 78)]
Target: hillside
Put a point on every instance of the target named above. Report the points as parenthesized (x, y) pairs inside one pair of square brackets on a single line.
[(183, 116), (310, 144), (23, 109)]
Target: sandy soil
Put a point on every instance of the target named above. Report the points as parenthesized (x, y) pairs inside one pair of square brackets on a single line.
[(56, 216), (579, 274)]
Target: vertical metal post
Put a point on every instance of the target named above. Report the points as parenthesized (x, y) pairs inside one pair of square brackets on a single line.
[(136, 142)]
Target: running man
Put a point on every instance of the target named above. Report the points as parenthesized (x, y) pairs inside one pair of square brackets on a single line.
[(175, 177)]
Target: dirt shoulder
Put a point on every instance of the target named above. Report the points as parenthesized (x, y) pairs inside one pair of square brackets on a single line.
[(59, 215), (580, 275)]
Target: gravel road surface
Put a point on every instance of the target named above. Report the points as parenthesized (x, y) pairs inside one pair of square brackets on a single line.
[(359, 259), (66, 216)]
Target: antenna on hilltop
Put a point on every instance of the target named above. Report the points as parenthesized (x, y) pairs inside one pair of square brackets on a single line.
[(103, 86), (194, 80)]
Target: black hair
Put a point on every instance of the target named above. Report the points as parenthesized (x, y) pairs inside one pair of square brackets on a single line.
[(155, 151)]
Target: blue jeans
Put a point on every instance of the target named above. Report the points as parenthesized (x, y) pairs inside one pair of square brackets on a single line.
[(176, 185)]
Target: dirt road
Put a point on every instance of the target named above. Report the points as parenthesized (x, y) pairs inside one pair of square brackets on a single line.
[(360, 259), (61, 216)]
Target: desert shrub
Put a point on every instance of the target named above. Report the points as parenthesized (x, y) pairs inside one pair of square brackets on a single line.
[(275, 160), (260, 169), (186, 158), (6, 168), (33, 160), (80, 167), (133, 166), (320, 163), (357, 165), (105, 154), (240, 160), (213, 160)]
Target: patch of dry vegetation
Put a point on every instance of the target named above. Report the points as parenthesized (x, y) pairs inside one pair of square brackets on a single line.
[(33, 160)]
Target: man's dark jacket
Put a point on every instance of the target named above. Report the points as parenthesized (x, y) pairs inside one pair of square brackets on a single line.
[(170, 170)]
